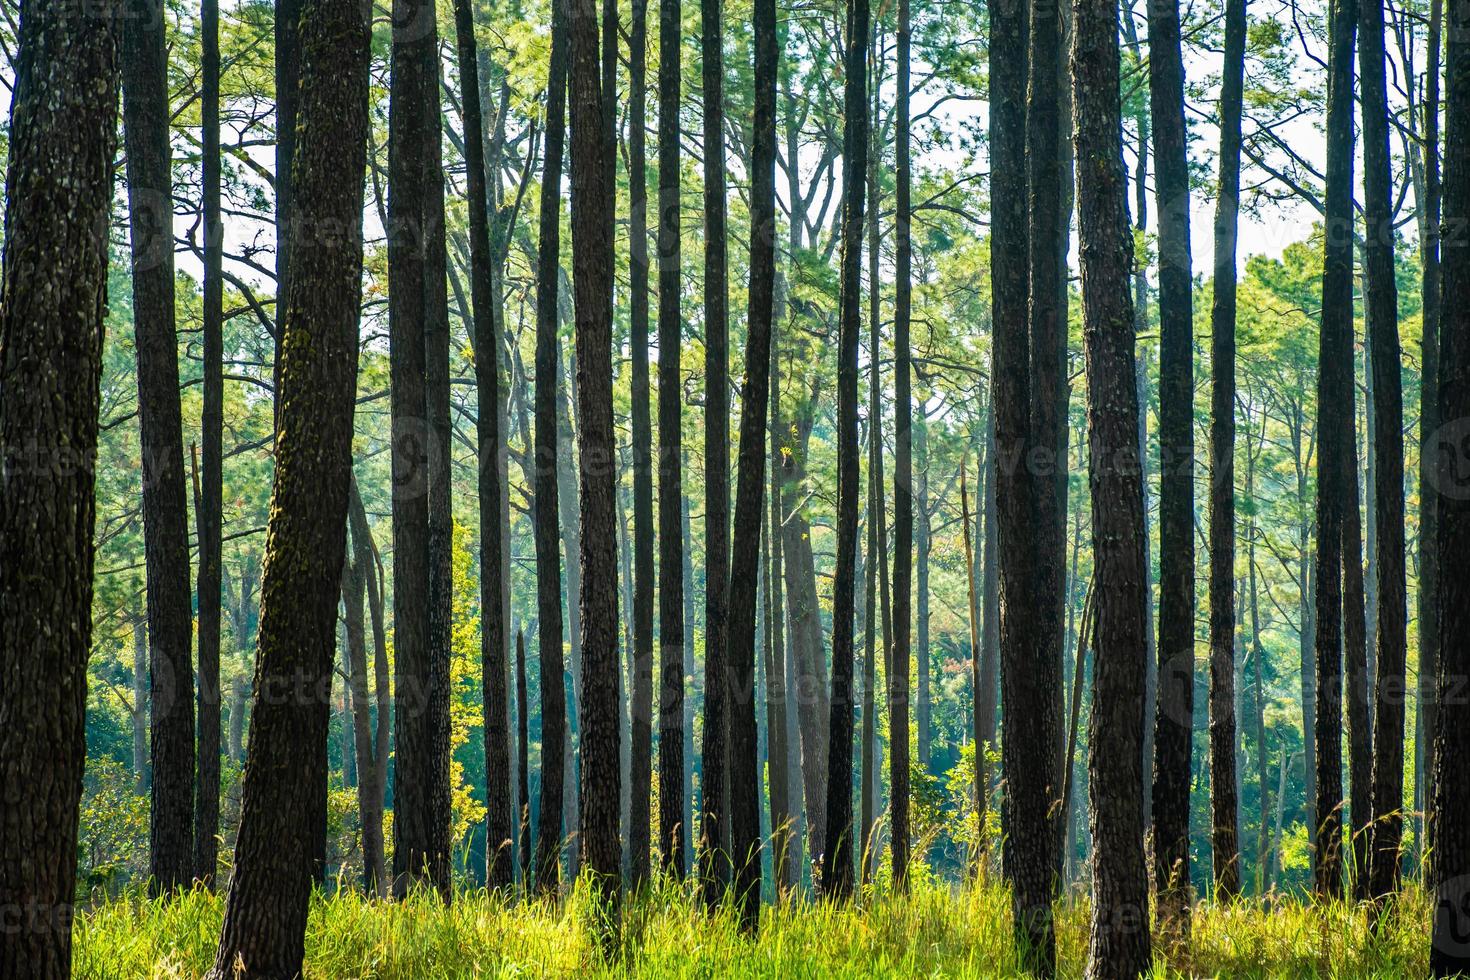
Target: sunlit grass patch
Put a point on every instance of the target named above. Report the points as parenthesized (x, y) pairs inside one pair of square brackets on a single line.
[(935, 931)]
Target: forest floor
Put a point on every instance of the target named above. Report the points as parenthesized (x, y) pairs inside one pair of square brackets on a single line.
[(937, 931)]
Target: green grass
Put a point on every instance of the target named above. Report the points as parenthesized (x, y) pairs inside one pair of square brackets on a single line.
[(935, 932)]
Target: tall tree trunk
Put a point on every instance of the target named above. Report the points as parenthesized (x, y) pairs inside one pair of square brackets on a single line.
[(714, 787), (1047, 324), (1449, 952), (1174, 713), (592, 195), (903, 483), (554, 737), (1119, 943), (836, 877), (877, 593), (1334, 436), (1141, 326), (206, 798), (639, 831), (1381, 303), (1030, 742), (499, 866), (1224, 802), (165, 508), (421, 792), (755, 395), (440, 436), (671, 625), (1428, 591), (62, 143), (265, 914), (372, 745)]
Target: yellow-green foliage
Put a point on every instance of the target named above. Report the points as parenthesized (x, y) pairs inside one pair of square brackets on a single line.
[(932, 933)]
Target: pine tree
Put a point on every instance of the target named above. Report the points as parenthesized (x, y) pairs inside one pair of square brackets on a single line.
[(500, 822), (1223, 777), (165, 509), (1174, 715), (1119, 941), (837, 861), (671, 625), (61, 145), (592, 202), (555, 742), (421, 792), (265, 913)]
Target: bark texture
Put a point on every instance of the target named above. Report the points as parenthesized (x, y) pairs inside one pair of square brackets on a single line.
[(421, 793), (265, 913), (160, 425), (58, 193), (555, 740), (837, 861), (592, 201), (1224, 803), (1119, 942)]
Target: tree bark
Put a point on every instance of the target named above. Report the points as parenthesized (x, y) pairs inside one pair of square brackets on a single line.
[(1381, 303), (1047, 393), (1224, 800), (755, 396), (1030, 743), (1429, 577), (714, 788), (642, 694), (1335, 434), (265, 913), (287, 27), (671, 625), (206, 797), (1119, 942), (1449, 951), (1174, 713), (903, 482), (592, 198), (165, 508), (554, 737), (500, 830), (837, 861), (62, 143), (421, 792)]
